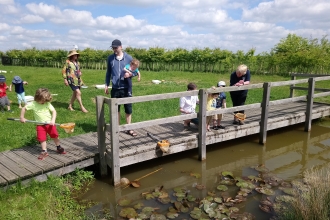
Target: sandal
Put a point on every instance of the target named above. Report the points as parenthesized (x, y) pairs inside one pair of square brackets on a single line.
[(43, 155), (131, 132)]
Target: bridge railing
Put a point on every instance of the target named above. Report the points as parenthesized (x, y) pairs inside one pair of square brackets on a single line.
[(113, 160)]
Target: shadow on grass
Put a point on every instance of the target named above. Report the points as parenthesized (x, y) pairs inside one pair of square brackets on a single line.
[(62, 105), (88, 127), (32, 141)]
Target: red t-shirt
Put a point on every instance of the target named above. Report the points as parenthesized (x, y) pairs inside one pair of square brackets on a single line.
[(3, 88)]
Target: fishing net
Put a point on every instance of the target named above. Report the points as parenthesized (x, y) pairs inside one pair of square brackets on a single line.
[(68, 127), (240, 116)]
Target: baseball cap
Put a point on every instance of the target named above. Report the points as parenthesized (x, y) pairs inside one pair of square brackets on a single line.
[(116, 43), (2, 78), (221, 83)]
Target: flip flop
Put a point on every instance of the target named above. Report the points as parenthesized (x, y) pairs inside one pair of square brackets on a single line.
[(132, 133)]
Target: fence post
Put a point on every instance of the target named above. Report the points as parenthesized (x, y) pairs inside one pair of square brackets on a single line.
[(114, 137), (264, 113), (101, 134), (293, 77), (309, 107), (202, 125)]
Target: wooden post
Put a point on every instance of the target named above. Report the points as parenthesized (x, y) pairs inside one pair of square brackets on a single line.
[(309, 108), (291, 86), (114, 136), (264, 113), (202, 124), (101, 134)]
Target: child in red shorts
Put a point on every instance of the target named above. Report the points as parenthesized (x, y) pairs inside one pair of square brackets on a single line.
[(44, 112)]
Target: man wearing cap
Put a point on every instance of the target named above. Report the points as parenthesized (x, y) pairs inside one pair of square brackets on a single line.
[(115, 65), (72, 77)]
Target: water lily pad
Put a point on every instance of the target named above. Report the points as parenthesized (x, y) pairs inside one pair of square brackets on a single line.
[(178, 189), (289, 191), (124, 201), (227, 182), (218, 199), (228, 174), (148, 209), (190, 198), (128, 213), (184, 209), (180, 194), (172, 215), (157, 217), (163, 195), (266, 191), (222, 188), (166, 200), (139, 205), (149, 196), (234, 209), (177, 205), (196, 175), (254, 178), (261, 168), (196, 213)]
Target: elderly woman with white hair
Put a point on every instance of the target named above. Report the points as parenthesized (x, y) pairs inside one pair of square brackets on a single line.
[(240, 77)]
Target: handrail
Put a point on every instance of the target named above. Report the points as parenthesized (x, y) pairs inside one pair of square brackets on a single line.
[(113, 160)]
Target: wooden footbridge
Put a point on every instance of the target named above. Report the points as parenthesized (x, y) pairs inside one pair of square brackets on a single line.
[(112, 148)]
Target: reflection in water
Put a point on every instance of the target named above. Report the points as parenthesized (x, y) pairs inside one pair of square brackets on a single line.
[(287, 153)]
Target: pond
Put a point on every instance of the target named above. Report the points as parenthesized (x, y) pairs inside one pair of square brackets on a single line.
[(287, 153)]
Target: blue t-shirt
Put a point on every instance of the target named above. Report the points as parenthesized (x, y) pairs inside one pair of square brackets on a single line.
[(134, 73), (19, 87), (219, 99)]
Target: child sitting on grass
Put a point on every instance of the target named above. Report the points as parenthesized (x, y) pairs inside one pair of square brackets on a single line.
[(19, 89), (4, 101), (44, 112)]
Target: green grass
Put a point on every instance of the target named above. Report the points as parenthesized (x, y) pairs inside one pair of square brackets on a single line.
[(53, 199), (16, 134)]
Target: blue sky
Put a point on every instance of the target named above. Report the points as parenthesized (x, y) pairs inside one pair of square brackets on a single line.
[(227, 24)]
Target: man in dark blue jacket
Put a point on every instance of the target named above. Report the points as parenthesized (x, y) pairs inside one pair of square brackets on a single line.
[(115, 65)]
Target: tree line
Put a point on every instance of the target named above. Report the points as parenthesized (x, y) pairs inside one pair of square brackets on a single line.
[(292, 54)]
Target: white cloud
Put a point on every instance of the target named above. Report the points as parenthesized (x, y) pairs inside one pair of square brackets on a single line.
[(6, 2), (32, 19)]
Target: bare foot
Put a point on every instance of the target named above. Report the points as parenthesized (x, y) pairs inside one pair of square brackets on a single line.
[(19, 106), (70, 108), (84, 110)]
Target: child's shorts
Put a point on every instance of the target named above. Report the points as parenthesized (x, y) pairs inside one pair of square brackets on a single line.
[(43, 130), (209, 119), (4, 101), (219, 116)]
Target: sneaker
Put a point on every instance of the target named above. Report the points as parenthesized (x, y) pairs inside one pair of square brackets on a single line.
[(43, 155), (215, 127), (60, 150), (221, 127)]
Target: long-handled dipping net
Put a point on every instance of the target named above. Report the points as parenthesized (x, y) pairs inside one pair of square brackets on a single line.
[(68, 127), (240, 116)]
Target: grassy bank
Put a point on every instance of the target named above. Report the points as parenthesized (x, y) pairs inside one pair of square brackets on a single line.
[(53, 199)]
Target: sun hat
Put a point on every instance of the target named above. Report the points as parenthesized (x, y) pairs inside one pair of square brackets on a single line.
[(221, 83), (72, 52), (116, 43), (2, 78), (17, 80)]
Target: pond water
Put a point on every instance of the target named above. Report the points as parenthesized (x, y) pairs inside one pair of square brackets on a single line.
[(287, 153)]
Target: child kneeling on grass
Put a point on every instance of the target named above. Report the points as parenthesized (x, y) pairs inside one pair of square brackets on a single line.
[(43, 112)]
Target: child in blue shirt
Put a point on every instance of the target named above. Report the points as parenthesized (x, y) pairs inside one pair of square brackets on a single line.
[(19, 89), (131, 68)]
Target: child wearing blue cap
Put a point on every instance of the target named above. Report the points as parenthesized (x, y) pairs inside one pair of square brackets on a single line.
[(19, 89)]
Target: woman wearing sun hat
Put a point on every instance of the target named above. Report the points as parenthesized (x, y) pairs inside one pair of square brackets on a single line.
[(72, 77), (19, 89)]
